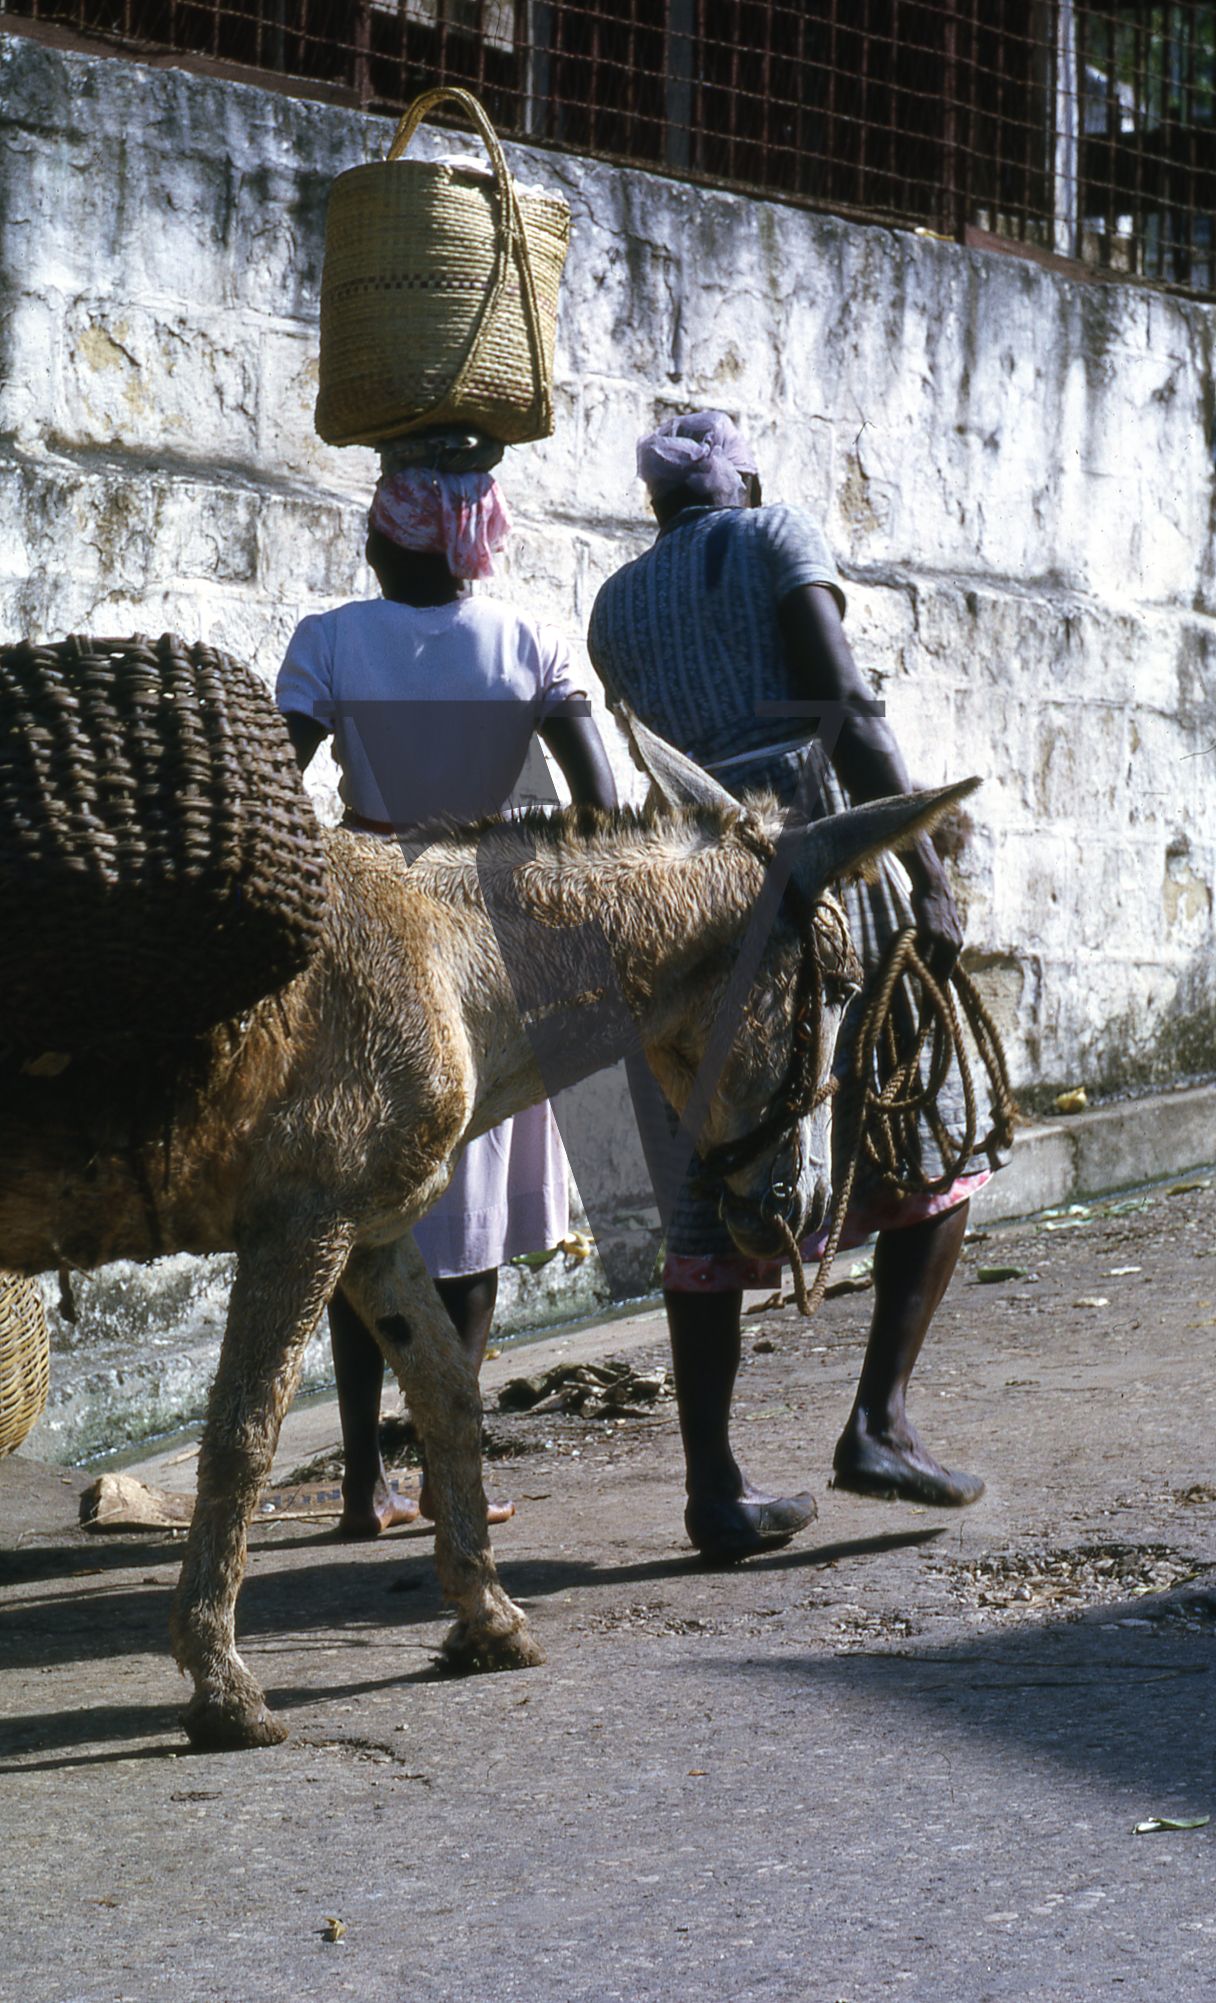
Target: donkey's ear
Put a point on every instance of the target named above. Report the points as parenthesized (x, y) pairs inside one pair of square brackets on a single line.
[(680, 782), (851, 843)]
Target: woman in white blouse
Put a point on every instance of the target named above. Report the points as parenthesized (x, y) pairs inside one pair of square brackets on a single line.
[(433, 696)]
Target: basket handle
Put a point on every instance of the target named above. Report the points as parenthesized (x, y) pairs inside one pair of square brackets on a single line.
[(512, 241)]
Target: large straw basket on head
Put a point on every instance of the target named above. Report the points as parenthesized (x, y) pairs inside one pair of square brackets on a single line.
[(438, 295), (160, 864), (25, 1355)]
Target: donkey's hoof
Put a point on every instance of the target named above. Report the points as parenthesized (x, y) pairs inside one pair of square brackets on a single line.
[(469, 1651), (214, 1727)]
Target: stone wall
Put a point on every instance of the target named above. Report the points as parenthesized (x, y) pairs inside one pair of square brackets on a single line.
[(1015, 470)]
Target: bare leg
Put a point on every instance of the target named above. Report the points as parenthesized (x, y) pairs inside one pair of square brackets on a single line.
[(470, 1299), (369, 1504), (879, 1452), (281, 1286), (726, 1518), (390, 1289)]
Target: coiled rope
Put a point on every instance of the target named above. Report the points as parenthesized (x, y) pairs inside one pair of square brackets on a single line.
[(886, 1117)]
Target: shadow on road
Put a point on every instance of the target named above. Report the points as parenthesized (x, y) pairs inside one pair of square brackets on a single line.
[(335, 1604), (1124, 1705), (1127, 1706)]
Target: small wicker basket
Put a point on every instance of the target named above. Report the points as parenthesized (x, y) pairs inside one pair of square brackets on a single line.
[(25, 1359), (439, 295), (160, 864)]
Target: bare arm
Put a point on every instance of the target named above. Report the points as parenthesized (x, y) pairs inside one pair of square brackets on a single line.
[(305, 734), (867, 756), (571, 735)]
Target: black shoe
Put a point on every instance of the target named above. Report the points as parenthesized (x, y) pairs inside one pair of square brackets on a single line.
[(725, 1532)]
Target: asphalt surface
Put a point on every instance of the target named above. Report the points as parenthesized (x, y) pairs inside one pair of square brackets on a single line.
[(904, 1757)]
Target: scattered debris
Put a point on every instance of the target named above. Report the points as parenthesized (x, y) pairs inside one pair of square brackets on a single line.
[(852, 1283), (1092, 1301), (299, 1501), (1187, 1188), (119, 1502), (653, 1617), (1075, 1100), (1074, 1218), (1067, 1581), (858, 1280), (991, 1276), (857, 1625), (763, 1346), (334, 1929), (1121, 1272), (613, 1389), (1153, 1823)]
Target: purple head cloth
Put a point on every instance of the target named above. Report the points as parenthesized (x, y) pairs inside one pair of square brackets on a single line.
[(704, 452)]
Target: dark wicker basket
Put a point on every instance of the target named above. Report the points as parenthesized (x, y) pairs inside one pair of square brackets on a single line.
[(160, 864)]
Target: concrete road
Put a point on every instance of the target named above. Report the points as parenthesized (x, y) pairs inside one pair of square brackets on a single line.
[(902, 1758)]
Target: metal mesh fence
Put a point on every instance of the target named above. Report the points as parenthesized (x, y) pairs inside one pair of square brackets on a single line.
[(1077, 131)]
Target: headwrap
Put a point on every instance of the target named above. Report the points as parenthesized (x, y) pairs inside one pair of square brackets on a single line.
[(704, 452), (459, 516)]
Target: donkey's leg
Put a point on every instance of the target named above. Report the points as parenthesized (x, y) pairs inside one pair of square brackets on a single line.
[(284, 1278), (396, 1297)]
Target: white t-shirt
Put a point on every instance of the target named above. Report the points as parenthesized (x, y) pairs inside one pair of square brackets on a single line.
[(403, 689)]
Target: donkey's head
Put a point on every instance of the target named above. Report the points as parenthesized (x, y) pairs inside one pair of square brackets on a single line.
[(748, 1054)]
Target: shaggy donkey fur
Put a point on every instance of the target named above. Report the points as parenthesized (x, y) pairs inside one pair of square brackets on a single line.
[(312, 1134)]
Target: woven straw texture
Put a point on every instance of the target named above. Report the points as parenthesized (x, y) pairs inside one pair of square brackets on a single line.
[(160, 865), (439, 296), (25, 1359)]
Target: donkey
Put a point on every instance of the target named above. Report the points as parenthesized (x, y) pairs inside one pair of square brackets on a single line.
[(315, 1131)]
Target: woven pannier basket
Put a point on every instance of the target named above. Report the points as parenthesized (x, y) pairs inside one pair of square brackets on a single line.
[(25, 1359), (439, 295), (160, 863)]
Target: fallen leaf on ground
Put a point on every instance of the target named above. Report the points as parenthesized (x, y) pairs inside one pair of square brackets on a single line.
[(1186, 1188), (1075, 1100), (1153, 1823), (333, 1929), (1092, 1301), (990, 1276)]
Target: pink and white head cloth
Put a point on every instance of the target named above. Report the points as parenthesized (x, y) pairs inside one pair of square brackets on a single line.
[(459, 516), (704, 452)]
